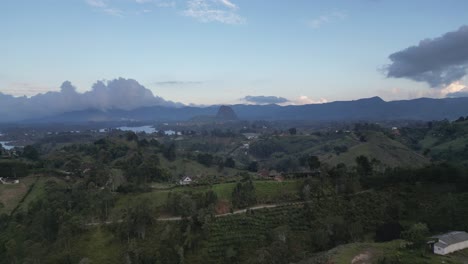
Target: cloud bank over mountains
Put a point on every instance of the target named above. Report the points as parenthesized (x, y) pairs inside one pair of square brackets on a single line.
[(120, 93), (264, 100)]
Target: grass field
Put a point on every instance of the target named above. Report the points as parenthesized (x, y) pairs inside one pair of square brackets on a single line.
[(181, 167), (11, 195), (97, 245), (267, 192), (360, 253)]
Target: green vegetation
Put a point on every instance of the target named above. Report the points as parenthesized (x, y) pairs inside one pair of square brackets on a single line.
[(442, 140), (381, 148), (387, 252), (287, 196), (266, 192)]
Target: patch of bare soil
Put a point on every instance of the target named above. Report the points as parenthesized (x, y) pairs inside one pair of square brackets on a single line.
[(364, 257), (223, 207)]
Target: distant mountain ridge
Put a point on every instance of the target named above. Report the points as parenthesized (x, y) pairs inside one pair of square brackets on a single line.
[(367, 109)]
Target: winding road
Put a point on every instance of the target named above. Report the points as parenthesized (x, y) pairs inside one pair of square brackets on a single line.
[(179, 218)]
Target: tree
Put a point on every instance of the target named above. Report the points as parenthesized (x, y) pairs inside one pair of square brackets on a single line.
[(314, 163), (131, 136), (11, 249), (364, 167), (244, 195), (292, 131), (388, 231), (186, 206), (417, 235), (170, 152), (230, 255), (356, 231), (30, 152), (253, 166), (137, 219), (205, 159), (143, 143), (229, 163), (320, 239)]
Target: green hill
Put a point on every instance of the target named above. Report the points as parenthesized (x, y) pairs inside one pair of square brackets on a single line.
[(382, 148)]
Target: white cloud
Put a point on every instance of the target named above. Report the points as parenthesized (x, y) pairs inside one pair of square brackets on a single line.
[(222, 11), (97, 3), (25, 89), (158, 3), (455, 89), (115, 94), (165, 4), (228, 4), (113, 12), (326, 18), (105, 7), (303, 99)]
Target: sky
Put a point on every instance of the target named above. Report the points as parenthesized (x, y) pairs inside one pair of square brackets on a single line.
[(238, 51)]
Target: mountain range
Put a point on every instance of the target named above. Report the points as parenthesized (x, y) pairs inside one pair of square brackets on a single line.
[(368, 109)]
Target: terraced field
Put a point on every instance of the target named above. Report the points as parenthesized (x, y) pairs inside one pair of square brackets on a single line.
[(251, 229)]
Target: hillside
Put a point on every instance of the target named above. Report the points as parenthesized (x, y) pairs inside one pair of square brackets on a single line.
[(439, 140), (380, 147)]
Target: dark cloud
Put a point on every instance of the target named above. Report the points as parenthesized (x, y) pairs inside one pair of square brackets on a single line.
[(438, 62), (115, 94), (261, 99)]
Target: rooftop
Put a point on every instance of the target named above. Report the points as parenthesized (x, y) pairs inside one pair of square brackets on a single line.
[(451, 238)]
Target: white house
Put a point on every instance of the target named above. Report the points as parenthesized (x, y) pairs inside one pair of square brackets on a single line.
[(185, 181), (450, 242)]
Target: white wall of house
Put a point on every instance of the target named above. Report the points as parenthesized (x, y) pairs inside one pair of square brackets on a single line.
[(185, 181), (451, 248), (456, 247), (439, 250)]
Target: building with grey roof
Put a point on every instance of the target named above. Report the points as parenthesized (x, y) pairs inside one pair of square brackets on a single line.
[(450, 242)]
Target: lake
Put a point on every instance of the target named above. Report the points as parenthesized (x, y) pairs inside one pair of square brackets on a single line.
[(146, 129), (5, 145)]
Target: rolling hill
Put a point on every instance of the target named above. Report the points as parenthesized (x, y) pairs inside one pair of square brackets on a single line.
[(379, 146)]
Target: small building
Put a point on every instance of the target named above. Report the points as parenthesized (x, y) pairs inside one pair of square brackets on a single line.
[(450, 242), (251, 136), (185, 181)]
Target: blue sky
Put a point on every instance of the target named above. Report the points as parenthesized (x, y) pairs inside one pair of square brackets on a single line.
[(218, 51)]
